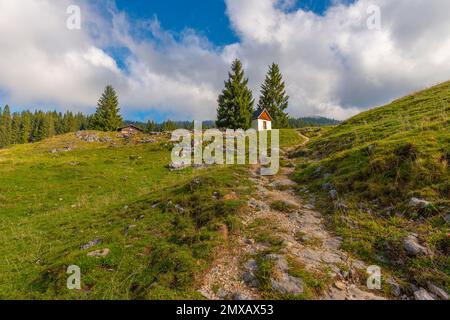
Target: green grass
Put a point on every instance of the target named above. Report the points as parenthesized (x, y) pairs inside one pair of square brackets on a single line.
[(378, 161), (53, 203), (163, 228)]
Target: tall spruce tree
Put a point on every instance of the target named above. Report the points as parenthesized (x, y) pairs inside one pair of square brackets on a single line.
[(274, 97), (6, 127), (107, 117), (25, 127), (236, 101)]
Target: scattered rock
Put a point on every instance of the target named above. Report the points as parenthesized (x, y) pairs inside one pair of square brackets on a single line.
[(91, 244), (65, 149), (99, 253), (205, 294), (396, 289), (327, 186), (141, 217), (340, 285), (318, 171), (412, 246), (418, 203), (87, 137), (148, 141), (447, 218), (179, 208), (240, 296), (333, 194), (105, 139), (281, 264), (284, 183), (287, 284), (259, 205), (249, 275), (340, 205), (422, 294), (174, 166), (437, 291), (222, 294)]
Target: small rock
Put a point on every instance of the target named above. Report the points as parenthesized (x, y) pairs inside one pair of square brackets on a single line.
[(222, 294), (447, 218), (178, 166), (99, 253), (249, 275), (240, 296), (422, 294), (418, 203), (287, 284), (139, 218), (412, 246), (437, 291), (205, 294), (327, 186), (281, 264), (91, 244), (395, 287), (179, 208), (333, 194), (340, 285), (259, 205)]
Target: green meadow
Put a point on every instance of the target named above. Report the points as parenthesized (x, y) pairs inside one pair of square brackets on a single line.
[(377, 162), (162, 227)]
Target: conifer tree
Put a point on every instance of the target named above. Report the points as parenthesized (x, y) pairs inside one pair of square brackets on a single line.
[(151, 126), (236, 101), (25, 127), (107, 116), (274, 97), (6, 127)]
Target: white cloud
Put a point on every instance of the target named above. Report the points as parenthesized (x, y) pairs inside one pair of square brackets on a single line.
[(333, 64)]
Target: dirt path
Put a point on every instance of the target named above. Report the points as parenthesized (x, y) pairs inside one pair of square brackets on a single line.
[(305, 238)]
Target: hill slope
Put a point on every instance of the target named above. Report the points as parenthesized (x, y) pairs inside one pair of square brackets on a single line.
[(372, 166), (63, 199)]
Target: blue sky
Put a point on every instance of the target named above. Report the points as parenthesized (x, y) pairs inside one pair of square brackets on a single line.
[(208, 17)]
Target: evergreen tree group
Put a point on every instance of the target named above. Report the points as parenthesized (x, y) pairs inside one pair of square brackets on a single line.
[(26, 126), (235, 108)]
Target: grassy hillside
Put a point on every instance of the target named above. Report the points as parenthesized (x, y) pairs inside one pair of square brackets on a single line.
[(161, 227), (377, 162)]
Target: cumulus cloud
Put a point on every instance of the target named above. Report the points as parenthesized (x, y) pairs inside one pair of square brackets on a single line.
[(333, 64)]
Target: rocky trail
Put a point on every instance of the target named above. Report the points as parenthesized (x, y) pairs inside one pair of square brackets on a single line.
[(304, 239)]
